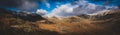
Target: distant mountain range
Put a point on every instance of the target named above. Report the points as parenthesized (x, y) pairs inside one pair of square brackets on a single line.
[(22, 23), (22, 15), (106, 15), (101, 15), (34, 17)]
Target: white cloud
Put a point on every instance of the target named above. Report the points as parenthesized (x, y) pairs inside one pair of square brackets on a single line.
[(81, 7), (47, 4), (63, 10), (41, 11), (67, 10), (92, 6)]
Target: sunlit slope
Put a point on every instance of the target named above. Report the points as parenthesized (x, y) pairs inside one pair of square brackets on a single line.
[(106, 23)]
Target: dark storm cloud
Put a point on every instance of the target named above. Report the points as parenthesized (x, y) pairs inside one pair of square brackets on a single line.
[(28, 5), (13, 3), (25, 5), (8, 3)]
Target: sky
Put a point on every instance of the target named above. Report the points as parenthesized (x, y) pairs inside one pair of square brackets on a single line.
[(60, 7)]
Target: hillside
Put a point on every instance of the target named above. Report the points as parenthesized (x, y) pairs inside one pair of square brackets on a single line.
[(19, 24), (12, 23)]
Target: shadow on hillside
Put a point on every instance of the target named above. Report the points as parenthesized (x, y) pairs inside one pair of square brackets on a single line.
[(33, 17), (12, 31)]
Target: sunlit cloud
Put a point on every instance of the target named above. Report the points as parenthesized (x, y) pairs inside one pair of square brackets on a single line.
[(41, 11), (80, 7), (48, 5)]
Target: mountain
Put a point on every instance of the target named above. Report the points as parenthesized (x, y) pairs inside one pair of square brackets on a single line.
[(21, 23), (112, 14), (103, 15), (22, 15), (84, 16), (29, 16), (27, 23)]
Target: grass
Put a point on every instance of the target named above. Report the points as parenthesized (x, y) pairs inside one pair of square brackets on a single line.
[(53, 26)]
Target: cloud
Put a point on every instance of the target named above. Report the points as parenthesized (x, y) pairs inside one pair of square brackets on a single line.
[(80, 7), (46, 2), (63, 10), (23, 5), (41, 11), (8, 3), (48, 5), (28, 5)]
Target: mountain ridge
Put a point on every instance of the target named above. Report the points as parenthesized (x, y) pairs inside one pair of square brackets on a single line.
[(106, 23)]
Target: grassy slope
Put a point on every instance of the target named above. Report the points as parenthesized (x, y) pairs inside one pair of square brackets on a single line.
[(68, 26)]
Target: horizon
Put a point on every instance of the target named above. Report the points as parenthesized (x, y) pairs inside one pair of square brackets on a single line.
[(61, 7)]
